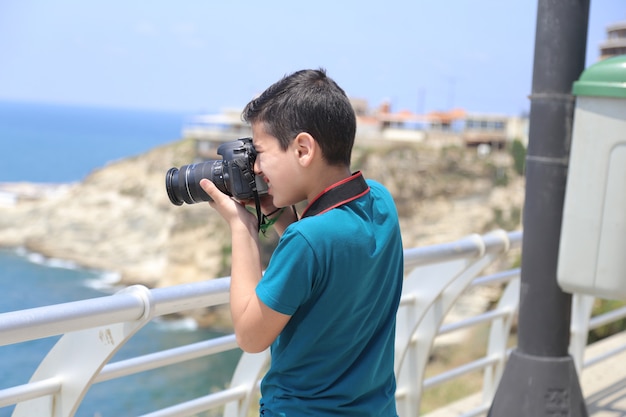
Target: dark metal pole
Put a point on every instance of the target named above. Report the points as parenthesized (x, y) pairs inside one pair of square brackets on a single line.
[(540, 378)]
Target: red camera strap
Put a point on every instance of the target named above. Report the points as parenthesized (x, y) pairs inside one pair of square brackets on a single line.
[(338, 194)]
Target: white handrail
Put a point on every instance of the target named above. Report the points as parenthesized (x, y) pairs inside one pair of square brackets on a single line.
[(166, 357), (436, 277)]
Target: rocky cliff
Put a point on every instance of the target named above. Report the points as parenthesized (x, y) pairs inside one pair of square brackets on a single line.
[(120, 218)]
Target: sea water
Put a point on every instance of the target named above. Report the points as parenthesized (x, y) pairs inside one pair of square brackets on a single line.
[(60, 143), (57, 144)]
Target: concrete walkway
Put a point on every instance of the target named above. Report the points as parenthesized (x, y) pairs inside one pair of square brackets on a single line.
[(603, 384)]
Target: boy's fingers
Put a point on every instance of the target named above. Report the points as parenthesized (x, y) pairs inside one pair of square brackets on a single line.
[(209, 188)]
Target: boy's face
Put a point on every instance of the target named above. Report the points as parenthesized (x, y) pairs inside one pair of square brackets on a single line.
[(279, 168)]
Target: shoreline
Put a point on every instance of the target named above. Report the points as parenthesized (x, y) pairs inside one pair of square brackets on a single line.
[(110, 283)]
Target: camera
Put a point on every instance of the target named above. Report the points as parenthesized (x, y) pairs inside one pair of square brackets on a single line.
[(233, 175)]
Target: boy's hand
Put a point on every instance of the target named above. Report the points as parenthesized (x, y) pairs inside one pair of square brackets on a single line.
[(231, 210), (267, 203)]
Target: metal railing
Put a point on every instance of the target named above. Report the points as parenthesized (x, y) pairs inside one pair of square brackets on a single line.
[(436, 277)]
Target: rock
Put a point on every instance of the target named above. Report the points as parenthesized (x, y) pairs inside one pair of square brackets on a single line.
[(120, 218)]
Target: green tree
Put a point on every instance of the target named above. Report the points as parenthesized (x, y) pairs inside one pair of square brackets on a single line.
[(518, 150)]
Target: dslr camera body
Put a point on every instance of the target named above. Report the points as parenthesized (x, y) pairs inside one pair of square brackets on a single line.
[(233, 175)]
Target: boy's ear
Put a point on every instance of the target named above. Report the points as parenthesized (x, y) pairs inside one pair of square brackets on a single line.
[(306, 148)]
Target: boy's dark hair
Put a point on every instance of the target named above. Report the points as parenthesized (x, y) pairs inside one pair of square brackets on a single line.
[(307, 101)]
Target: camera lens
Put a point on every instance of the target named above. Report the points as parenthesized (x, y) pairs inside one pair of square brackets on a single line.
[(183, 185), (171, 178)]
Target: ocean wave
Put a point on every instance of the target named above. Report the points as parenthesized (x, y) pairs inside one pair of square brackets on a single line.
[(40, 259), (105, 281)]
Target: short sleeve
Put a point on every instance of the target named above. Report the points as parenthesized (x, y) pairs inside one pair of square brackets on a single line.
[(289, 277)]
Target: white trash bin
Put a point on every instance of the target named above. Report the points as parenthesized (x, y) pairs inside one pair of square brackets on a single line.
[(592, 251)]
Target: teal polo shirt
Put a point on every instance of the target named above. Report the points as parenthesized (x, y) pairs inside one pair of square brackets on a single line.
[(339, 276)]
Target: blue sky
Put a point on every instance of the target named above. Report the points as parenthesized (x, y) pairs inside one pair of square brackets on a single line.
[(202, 56)]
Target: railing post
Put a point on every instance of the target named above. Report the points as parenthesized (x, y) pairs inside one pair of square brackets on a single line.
[(582, 306), (250, 369), (498, 338), (77, 358), (434, 289)]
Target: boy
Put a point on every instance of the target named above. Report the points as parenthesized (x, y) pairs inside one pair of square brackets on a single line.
[(327, 302)]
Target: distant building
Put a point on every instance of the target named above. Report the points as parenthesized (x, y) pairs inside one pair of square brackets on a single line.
[(494, 130), (211, 130), (615, 44), (379, 127), (486, 129), (441, 128)]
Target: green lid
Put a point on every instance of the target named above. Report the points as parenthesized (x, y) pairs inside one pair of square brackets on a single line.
[(606, 78)]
